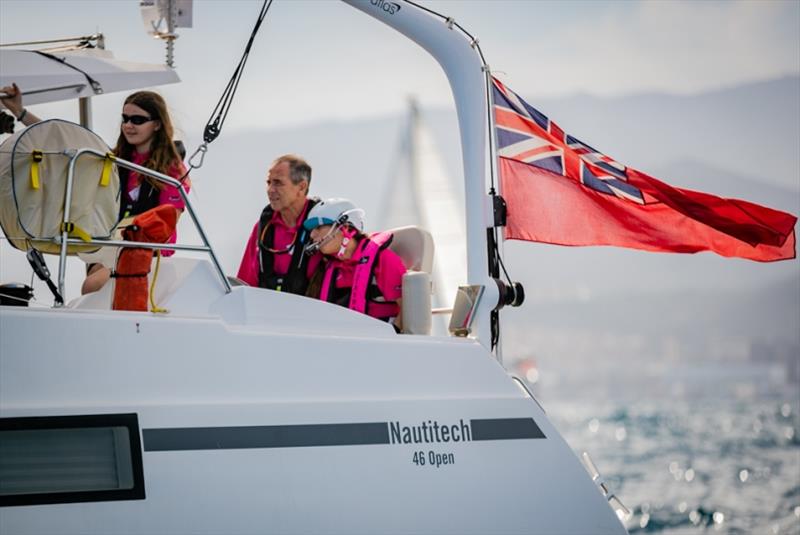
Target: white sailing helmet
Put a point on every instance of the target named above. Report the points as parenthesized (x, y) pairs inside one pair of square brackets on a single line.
[(337, 212)]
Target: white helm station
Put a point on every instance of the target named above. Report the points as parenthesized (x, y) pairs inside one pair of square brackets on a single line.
[(254, 411)]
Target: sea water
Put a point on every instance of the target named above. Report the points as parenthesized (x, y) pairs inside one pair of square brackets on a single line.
[(719, 453)]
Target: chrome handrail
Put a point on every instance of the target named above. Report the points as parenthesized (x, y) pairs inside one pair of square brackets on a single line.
[(65, 240)]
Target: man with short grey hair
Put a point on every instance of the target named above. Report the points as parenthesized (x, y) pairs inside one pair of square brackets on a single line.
[(274, 255)]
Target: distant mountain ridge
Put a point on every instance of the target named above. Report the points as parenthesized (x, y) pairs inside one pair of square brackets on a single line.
[(752, 129)]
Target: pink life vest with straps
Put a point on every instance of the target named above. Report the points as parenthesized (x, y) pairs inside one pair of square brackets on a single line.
[(365, 258)]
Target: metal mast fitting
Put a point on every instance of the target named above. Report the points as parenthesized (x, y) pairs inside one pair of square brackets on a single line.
[(162, 17)]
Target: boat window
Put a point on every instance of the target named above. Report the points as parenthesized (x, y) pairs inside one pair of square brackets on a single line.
[(64, 459)]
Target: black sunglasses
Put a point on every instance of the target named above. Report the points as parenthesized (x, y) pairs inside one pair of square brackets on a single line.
[(136, 119)]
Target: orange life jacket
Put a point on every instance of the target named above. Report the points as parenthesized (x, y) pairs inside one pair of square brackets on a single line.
[(133, 265)]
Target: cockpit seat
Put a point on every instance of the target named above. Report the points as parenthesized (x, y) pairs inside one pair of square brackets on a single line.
[(414, 246)]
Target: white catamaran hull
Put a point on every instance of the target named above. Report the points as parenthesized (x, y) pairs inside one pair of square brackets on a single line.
[(252, 420)]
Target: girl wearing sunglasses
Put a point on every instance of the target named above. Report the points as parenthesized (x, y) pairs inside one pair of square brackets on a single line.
[(145, 139)]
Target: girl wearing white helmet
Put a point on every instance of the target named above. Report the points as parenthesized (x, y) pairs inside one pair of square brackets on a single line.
[(360, 272)]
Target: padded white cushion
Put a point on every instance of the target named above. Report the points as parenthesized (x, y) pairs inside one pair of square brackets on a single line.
[(414, 246), (26, 212)]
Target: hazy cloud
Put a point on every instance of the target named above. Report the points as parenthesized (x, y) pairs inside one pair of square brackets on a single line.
[(674, 46)]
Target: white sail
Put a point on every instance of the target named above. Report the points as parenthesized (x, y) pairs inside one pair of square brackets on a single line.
[(421, 192)]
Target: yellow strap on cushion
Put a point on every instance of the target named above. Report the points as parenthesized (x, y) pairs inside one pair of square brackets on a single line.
[(74, 231), (155, 309), (36, 157), (105, 178)]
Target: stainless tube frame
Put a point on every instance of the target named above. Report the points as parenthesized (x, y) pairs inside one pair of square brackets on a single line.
[(65, 240), (85, 111)]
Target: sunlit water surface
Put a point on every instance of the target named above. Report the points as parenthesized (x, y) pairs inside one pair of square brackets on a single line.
[(725, 459)]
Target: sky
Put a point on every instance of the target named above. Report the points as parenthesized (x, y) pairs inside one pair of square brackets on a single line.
[(322, 60), (318, 61)]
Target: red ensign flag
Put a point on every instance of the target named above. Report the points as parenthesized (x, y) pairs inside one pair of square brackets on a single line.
[(562, 191)]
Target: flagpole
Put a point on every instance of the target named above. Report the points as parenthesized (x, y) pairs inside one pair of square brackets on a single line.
[(495, 188)]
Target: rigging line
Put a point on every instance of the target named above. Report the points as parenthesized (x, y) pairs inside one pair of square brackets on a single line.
[(214, 125), (489, 122), (12, 297), (28, 302), (83, 38), (500, 260), (450, 21), (96, 87), (491, 135)]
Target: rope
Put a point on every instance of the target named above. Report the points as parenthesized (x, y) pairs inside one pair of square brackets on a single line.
[(215, 122), (30, 303), (96, 87), (155, 309), (82, 39), (13, 297), (450, 22), (473, 41), (496, 257)]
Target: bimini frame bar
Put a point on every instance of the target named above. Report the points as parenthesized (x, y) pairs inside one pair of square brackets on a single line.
[(65, 240), (464, 68)]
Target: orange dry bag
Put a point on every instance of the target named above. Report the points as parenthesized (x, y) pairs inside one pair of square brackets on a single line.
[(133, 265)]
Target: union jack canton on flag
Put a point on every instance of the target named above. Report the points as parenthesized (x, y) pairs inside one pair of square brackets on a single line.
[(562, 191), (527, 135)]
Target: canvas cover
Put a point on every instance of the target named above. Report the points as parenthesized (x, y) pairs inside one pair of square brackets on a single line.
[(30, 212)]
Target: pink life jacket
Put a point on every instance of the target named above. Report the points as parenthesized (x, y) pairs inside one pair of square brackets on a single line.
[(366, 257)]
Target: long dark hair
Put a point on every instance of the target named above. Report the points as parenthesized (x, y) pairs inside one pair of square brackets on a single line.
[(163, 153)]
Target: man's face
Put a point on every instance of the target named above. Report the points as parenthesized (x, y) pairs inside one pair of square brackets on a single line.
[(282, 192)]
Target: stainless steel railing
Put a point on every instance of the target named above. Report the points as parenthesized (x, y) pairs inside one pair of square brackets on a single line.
[(65, 240)]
